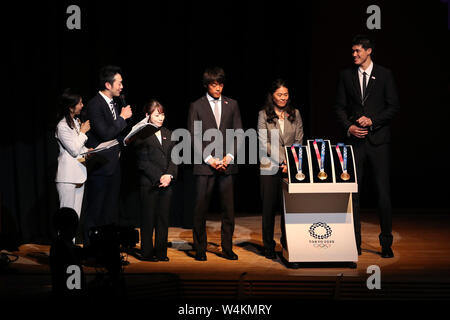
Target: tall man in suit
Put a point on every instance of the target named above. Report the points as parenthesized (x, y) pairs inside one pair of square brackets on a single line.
[(217, 112), (366, 103), (107, 122)]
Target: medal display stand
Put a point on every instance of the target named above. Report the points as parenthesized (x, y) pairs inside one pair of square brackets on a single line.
[(318, 212)]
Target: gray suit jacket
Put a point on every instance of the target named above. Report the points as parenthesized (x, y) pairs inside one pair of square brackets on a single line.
[(293, 133)]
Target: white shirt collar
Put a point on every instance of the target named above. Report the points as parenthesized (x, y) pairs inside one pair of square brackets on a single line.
[(368, 70), (107, 99), (211, 98)]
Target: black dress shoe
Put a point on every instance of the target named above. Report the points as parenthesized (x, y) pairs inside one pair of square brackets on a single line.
[(294, 265), (140, 256), (149, 259), (230, 255), (270, 254), (387, 252), (200, 256), (165, 259)]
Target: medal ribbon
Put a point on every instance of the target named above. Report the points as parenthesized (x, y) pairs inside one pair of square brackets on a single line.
[(320, 157), (298, 160), (344, 160)]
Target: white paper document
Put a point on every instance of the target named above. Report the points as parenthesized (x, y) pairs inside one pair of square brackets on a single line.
[(138, 127), (103, 146)]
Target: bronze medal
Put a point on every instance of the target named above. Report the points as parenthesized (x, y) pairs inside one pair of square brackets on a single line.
[(322, 175), (343, 160), (345, 176)]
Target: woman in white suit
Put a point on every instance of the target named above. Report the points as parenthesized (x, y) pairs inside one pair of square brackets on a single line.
[(71, 136)]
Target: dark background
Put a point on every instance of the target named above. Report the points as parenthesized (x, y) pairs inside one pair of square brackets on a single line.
[(163, 48)]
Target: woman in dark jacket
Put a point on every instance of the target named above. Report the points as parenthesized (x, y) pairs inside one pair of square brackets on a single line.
[(157, 173)]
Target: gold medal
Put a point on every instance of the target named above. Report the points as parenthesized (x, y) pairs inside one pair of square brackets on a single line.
[(322, 175), (300, 176), (345, 176)]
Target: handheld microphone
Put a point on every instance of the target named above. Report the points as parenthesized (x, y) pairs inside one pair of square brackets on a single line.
[(122, 100), (124, 104)]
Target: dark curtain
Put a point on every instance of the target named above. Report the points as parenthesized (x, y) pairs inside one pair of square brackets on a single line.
[(163, 48)]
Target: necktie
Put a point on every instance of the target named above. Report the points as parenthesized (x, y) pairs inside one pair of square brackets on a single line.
[(111, 106), (216, 112), (364, 84)]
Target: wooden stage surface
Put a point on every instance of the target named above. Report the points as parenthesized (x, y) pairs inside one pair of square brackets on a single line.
[(419, 270)]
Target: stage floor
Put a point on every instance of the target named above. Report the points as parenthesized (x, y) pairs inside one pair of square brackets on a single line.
[(420, 268)]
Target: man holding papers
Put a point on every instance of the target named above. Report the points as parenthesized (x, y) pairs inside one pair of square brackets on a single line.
[(107, 123)]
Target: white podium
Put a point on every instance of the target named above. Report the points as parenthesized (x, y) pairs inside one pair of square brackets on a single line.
[(318, 213)]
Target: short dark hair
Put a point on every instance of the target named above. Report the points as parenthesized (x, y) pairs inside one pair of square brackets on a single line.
[(152, 105), (364, 41), (212, 75), (65, 221), (107, 74)]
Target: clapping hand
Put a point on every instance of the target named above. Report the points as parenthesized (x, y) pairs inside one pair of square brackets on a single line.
[(85, 127)]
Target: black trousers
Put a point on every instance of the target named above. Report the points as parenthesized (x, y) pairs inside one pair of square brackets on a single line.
[(204, 187), (102, 203), (271, 195), (155, 211), (378, 159)]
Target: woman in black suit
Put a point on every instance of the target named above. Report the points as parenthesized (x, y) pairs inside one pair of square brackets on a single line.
[(277, 114), (157, 173)]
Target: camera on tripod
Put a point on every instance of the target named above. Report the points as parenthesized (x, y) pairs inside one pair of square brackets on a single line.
[(107, 242)]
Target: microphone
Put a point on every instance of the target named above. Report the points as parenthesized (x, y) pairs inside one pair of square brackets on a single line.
[(122, 100), (124, 104)]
